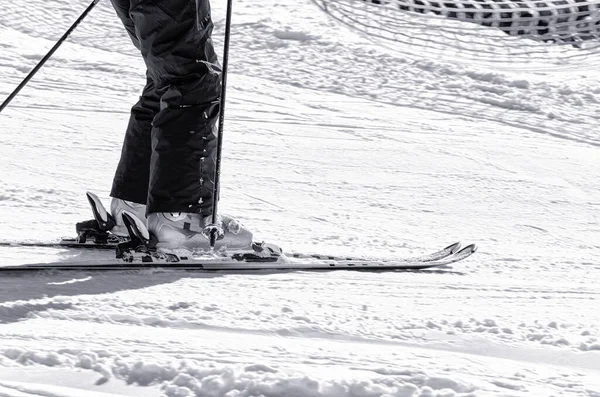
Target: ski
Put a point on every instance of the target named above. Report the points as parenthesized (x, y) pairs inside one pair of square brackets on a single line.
[(111, 246), (239, 264), (95, 234), (141, 247), (139, 251), (114, 243)]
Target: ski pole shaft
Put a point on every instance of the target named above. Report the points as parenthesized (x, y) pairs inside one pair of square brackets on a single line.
[(52, 51), (216, 187)]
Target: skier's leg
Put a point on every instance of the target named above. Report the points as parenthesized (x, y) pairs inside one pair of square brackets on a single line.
[(176, 44), (130, 183), (133, 172), (178, 51)]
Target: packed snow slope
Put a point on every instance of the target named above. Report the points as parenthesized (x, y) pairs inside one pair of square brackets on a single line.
[(334, 143)]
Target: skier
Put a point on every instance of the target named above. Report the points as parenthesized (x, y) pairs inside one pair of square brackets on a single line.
[(167, 165)]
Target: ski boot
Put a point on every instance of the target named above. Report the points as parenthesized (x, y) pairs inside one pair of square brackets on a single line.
[(173, 238)]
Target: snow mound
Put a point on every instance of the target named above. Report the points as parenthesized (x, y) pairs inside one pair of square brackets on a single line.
[(201, 379), (188, 378)]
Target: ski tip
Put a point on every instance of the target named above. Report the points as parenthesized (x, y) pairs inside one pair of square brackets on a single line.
[(453, 247), (471, 249)]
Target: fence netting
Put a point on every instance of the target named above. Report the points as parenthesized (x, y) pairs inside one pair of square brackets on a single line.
[(557, 32)]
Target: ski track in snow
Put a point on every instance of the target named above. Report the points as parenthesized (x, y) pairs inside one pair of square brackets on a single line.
[(334, 144)]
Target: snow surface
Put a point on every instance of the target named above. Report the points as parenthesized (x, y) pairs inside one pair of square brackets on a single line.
[(334, 144)]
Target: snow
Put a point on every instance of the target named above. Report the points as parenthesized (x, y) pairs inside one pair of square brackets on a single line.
[(335, 143)]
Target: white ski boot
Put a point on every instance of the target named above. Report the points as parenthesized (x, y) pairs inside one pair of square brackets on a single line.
[(187, 230), (181, 237)]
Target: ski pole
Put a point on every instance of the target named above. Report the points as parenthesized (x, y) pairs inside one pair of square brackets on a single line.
[(43, 61), (213, 231)]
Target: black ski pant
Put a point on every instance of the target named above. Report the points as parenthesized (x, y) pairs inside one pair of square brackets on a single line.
[(169, 151)]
